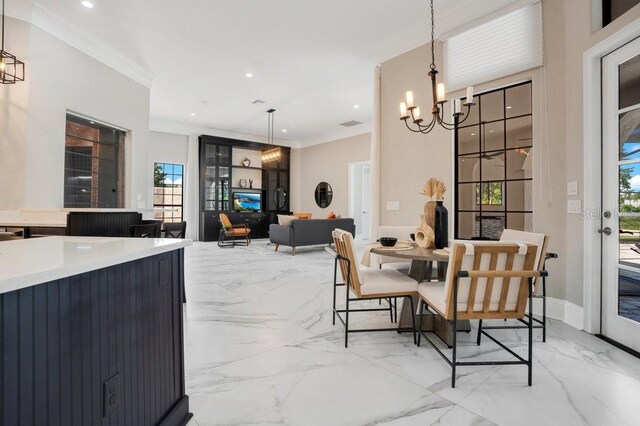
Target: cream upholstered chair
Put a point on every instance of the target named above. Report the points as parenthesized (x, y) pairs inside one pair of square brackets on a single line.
[(366, 285), (485, 280), (540, 241)]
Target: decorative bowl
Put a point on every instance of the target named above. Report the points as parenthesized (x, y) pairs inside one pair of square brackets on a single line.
[(388, 241), (413, 236)]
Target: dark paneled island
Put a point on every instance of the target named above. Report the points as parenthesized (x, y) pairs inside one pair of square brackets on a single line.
[(91, 332)]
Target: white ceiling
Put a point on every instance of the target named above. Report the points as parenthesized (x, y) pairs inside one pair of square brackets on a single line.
[(311, 60)]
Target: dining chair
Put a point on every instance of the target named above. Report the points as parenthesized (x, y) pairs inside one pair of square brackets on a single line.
[(539, 291), (175, 229), (148, 230), (368, 284), (485, 280), (230, 233), (158, 223)]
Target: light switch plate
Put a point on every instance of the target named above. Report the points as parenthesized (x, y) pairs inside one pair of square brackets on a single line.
[(393, 205), (572, 188), (574, 206)]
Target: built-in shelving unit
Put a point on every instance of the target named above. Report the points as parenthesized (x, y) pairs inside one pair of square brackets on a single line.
[(222, 170)]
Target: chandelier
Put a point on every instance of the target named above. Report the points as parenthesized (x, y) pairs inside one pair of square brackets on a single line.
[(11, 69), (274, 153), (411, 112)]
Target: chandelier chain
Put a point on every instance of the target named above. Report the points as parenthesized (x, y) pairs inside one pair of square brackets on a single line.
[(433, 36)]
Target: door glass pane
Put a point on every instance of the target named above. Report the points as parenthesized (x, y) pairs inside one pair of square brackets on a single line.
[(492, 106), (467, 199), (520, 163), (629, 196), (523, 221), (492, 167), (629, 91), (466, 225), (492, 226), (629, 294), (629, 128)]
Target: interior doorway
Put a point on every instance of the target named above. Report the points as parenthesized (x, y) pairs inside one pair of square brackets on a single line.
[(360, 197)]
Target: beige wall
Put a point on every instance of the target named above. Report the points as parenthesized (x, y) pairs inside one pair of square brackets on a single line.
[(408, 159), (328, 162), (558, 121)]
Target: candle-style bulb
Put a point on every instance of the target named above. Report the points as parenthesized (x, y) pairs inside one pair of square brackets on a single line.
[(416, 114), (469, 95), (440, 92), (403, 109), (409, 99)]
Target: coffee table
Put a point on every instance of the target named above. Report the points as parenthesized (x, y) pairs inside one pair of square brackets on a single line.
[(422, 270)]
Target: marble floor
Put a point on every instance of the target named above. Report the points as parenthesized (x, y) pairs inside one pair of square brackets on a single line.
[(261, 350)]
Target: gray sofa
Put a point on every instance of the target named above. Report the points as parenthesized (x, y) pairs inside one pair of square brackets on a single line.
[(308, 232)]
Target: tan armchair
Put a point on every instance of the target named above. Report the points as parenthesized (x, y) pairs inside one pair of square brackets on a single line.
[(229, 233), (485, 280)]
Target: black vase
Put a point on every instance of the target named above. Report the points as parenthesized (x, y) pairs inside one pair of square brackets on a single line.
[(441, 226)]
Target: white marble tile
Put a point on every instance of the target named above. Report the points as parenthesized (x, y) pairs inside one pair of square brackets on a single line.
[(260, 349)]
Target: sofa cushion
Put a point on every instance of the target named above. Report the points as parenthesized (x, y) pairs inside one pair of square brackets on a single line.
[(286, 220), (385, 281)]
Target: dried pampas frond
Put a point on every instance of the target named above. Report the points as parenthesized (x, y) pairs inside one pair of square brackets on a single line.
[(435, 187)]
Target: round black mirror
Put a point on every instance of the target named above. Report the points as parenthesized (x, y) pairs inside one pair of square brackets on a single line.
[(323, 195), (280, 197)]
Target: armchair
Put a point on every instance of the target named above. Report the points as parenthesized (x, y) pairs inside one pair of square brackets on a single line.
[(233, 233)]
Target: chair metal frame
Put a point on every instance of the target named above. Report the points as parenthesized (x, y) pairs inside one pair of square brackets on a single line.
[(453, 313), (222, 239)]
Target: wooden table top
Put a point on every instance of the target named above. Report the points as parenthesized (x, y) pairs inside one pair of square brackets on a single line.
[(416, 253)]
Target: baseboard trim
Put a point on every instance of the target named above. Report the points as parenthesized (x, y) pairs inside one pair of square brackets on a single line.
[(562, 310)]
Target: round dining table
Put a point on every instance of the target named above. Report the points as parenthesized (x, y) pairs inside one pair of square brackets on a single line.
[(421, 270)]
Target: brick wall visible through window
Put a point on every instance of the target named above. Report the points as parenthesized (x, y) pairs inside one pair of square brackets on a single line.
[(93, 165), (167, 191)]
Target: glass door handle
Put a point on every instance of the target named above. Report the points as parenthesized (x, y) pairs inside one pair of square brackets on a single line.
[(605, 231)]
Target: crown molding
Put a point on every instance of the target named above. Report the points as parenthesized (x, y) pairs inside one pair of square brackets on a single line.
[(51, 23), (186, 129)]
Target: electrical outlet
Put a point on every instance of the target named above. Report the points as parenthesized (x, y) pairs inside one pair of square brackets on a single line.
[(111, 395), (393, 205), (574, 206)]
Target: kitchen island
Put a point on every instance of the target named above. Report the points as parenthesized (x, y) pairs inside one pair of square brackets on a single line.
[(91, 331)]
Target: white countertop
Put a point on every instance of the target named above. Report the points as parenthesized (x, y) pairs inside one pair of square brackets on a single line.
[(25, 263)]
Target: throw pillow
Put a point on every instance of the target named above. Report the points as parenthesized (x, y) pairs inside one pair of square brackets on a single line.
[(285, 220), (331, 215)]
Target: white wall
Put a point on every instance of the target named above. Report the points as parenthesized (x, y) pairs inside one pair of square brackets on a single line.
[(168, 148), (14, 115), (60, 78)]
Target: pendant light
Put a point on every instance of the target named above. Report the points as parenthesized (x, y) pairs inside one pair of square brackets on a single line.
[(272, 153), (11, 69), (409, 112)]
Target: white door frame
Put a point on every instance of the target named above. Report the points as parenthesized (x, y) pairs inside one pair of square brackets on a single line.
[(592, 134), (351, 194)]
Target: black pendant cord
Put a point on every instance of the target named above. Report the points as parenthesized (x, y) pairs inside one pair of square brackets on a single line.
[(433, 39)]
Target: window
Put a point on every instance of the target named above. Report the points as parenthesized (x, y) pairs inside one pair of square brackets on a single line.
[(93, 165), (167, 191), (613, 9), (494, 165)]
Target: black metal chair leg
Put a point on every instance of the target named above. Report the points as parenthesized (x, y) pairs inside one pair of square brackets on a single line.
[(421, 309), (544, 309), (479, 332), (395, 307), (455, 332), (530, 359), (335, 278), (413, 319), (346, 321), (390, 309)]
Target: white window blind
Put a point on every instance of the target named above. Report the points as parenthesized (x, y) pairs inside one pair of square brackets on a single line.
[(505, 45)]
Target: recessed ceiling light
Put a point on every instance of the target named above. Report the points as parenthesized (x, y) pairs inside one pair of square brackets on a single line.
[(356, 106), (284, 130), (193, 114), (490, 131), (87, 4), (248, 75), (92, 122), (509, 107), (473, 134)]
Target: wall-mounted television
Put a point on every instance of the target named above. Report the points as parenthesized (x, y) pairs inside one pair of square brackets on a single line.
[(247, 202)]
